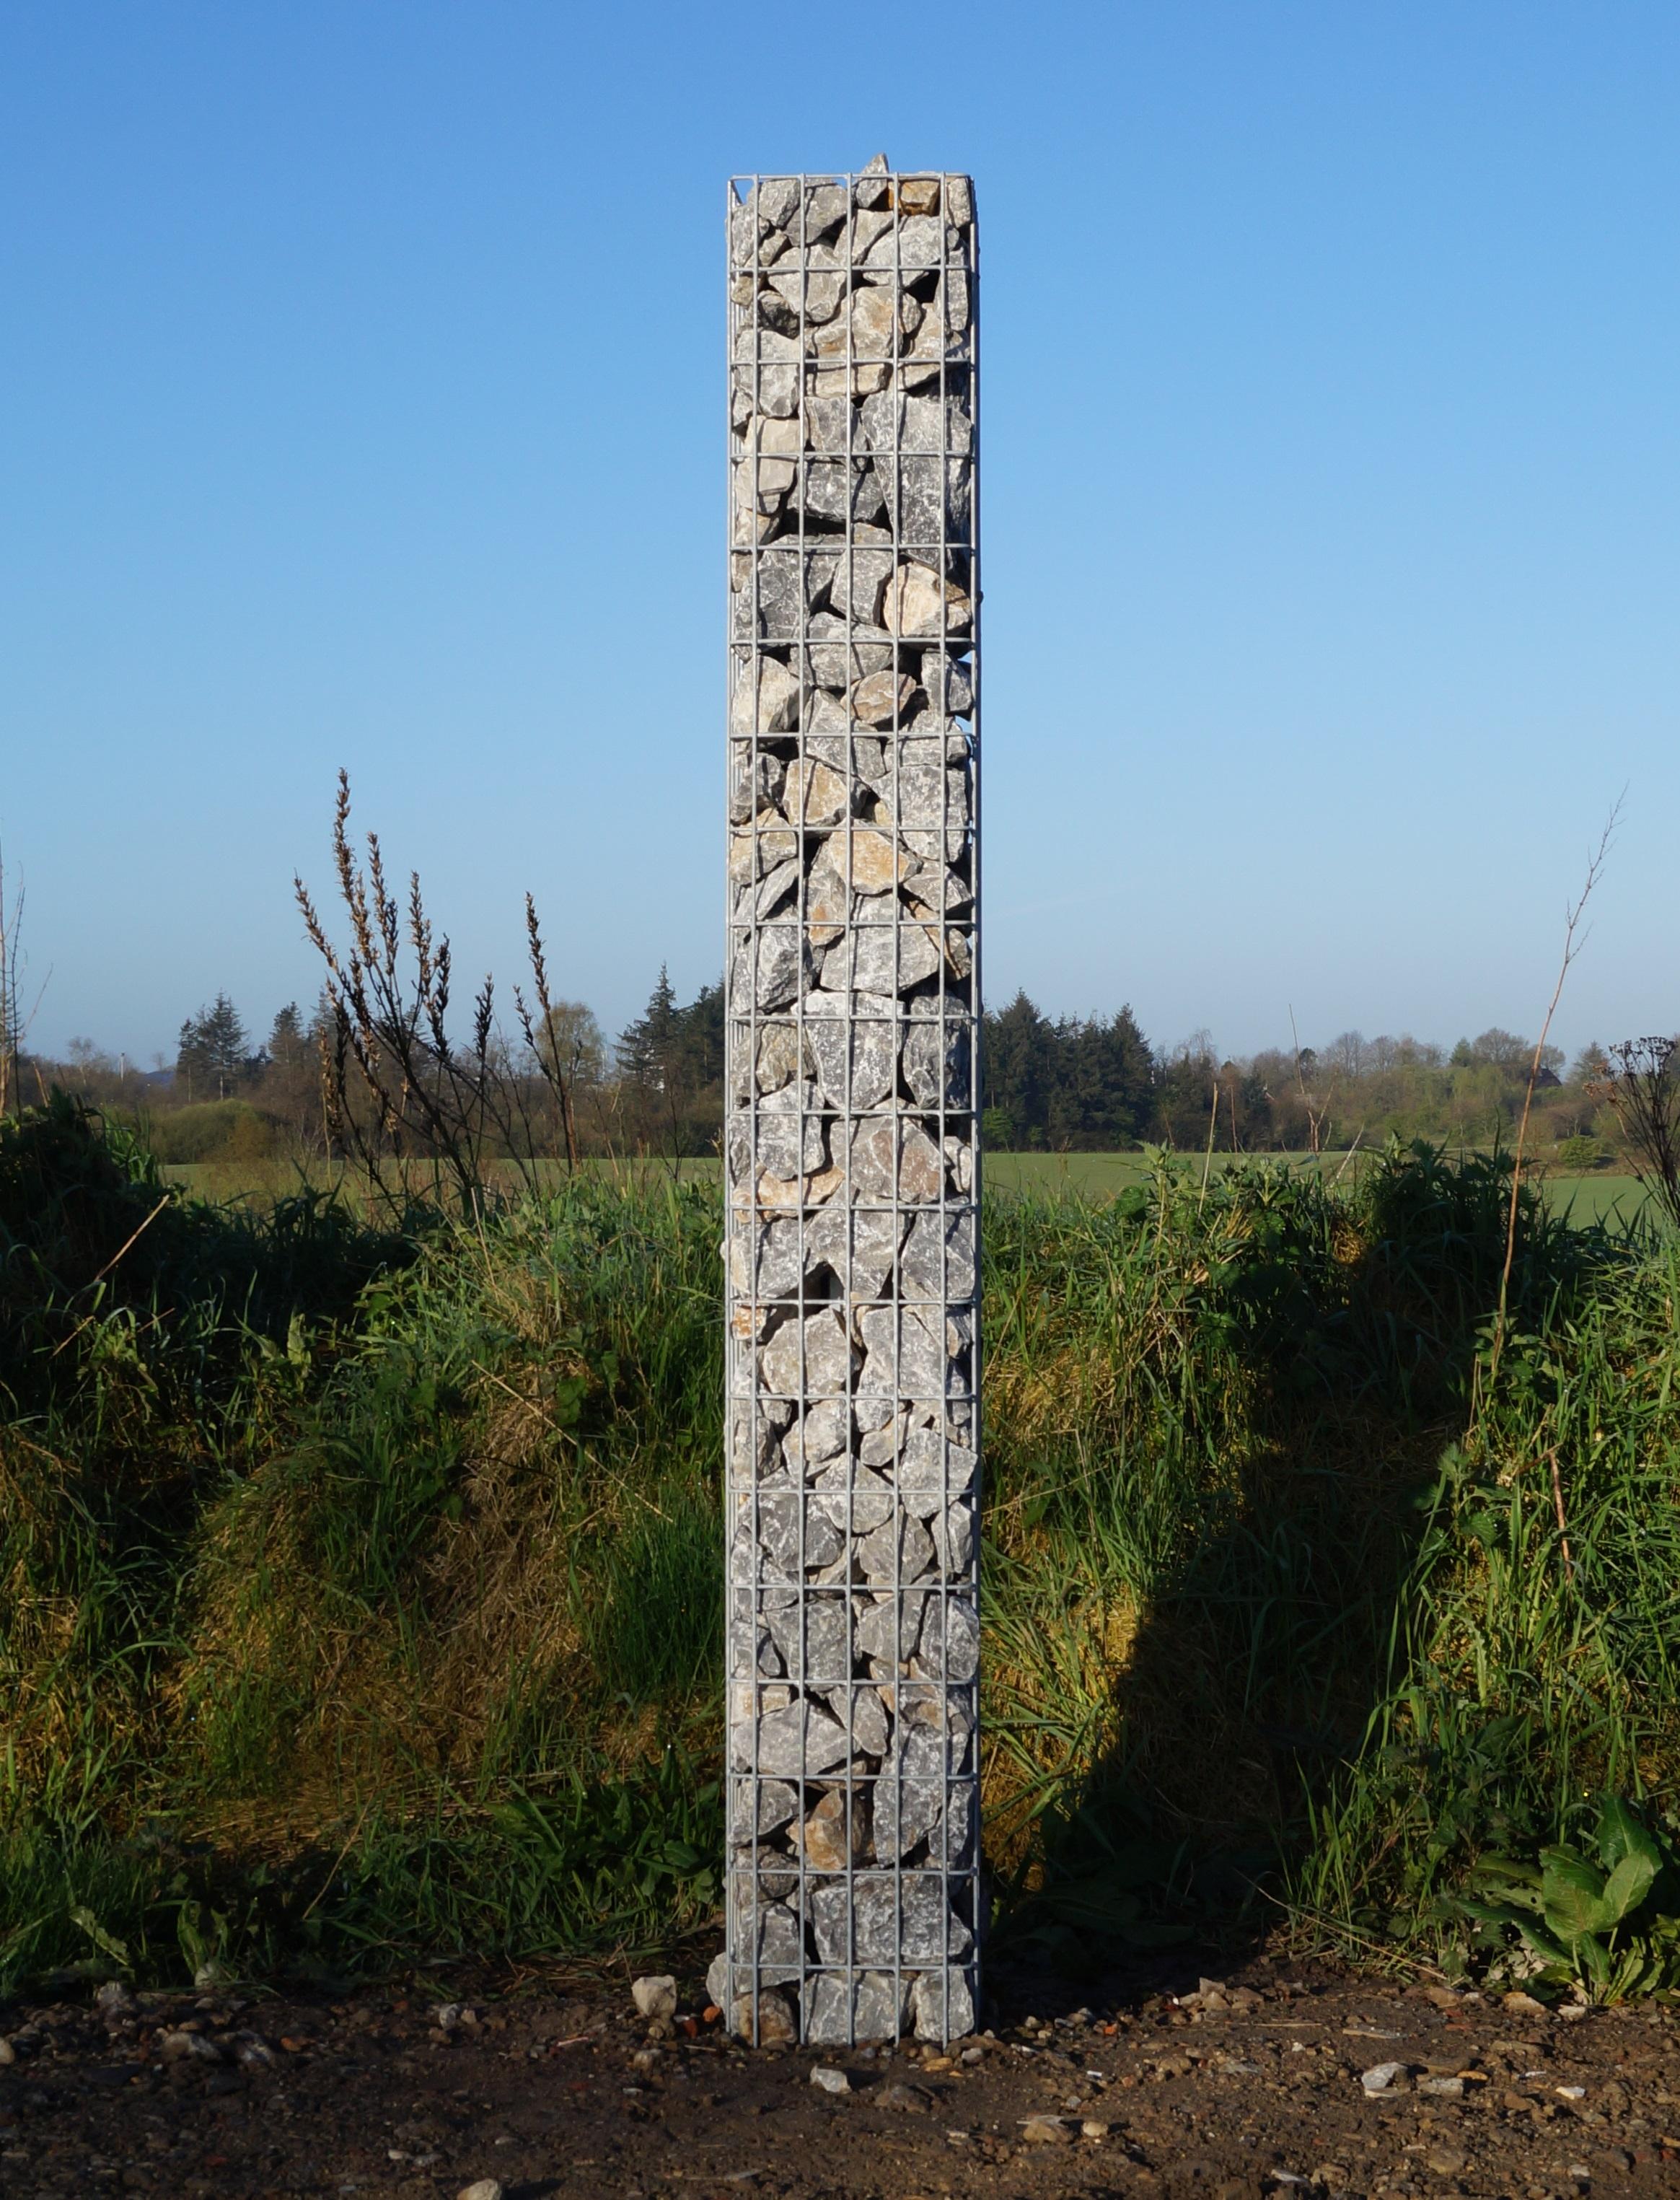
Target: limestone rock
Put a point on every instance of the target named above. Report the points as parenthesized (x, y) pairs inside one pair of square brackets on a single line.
[(835, 1834), (813, 794), (799, 1742), (829, 1359), (766, 698), (943, 2005), (818, 1650), (917, 599), (884, 698), (889, 1919), (777, 1804)]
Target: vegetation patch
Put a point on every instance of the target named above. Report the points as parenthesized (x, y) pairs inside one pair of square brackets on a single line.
[(360, 1588)]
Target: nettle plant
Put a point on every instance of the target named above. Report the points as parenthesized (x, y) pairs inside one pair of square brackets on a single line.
[(1605, 1926)]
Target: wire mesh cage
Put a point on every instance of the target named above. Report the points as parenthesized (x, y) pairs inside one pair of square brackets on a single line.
[(852, 1160)]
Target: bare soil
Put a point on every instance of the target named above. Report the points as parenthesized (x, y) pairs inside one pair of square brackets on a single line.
[(558, 2090)]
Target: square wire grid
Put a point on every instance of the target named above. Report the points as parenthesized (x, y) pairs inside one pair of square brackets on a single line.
[(851, 1148)]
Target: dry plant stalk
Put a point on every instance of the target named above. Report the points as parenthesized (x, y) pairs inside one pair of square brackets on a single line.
[(1641, 1083), (396, 1089), (13, 1022), (1573, 941)]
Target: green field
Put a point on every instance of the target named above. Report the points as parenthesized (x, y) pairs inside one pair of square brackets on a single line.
[(1583, 1199)]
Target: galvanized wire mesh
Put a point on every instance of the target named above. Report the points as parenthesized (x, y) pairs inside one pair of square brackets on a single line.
[(851, 1148)]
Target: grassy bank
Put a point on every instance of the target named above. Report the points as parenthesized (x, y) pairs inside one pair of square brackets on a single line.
[(359, 1589)]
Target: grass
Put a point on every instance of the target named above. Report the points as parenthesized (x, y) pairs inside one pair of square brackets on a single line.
[(359, 1589), (1600, 1197)]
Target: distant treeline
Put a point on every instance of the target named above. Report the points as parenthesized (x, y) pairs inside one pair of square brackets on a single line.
[(1052, 1085)]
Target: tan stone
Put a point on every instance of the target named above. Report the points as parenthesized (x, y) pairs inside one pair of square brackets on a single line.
[(823, 1835), (777, 699), (913, 601), (787, 1195), (876, 700), (919, 195), (814, 795), (876, 864)]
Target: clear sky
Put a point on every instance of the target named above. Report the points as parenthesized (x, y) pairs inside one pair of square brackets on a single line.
[(361, 401)]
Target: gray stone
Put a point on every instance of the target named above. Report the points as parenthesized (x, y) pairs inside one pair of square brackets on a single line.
[(826, 208), (858, 1249), (790, 1136), (881, 957), (789, 588), (841, 489), (931, 1469), (872, 186), (817, 296), (825, 1431), (943, 2005), (778, 1804), (842, 2007), (901, 1551), (936, 1063), (917, 242), (858, 580), (949, 682), (888, 1630), (770, 966), (654, 1996), (774, 889), (891, 1918), (868, 1048), (948, 1649), (823, 1643), (800, 1741), (755, 784), (768, 684), (953, 1537), (780, 1514), (855, 1499), (919, 1368), (830, 2081), (892, 1158), (888, 422), (935, 502), (937, 1261), (777, 200), (829, 1359), (843, 651)]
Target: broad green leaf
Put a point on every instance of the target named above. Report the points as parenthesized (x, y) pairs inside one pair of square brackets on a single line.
[(1573, 1896), (1621, 1836), (1628, 1886)]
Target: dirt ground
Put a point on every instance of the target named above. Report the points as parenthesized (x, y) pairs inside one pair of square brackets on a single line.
[(1156, 2088)]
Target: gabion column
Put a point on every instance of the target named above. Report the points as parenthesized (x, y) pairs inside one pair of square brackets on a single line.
[(851, 1153)]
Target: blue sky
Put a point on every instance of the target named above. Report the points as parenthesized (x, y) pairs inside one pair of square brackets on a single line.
[(361, 402)]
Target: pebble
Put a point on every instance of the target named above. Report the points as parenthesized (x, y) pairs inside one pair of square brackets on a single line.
[(483, 2188), (1451, 2088), (1092, 2128), (8, 2053), (1381, 2077), (1045, 2131), (654, 1997), (1444, 2161), (828, 2081), (901, 2097)]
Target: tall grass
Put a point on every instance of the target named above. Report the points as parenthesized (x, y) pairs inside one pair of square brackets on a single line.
[(361, 1592)]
